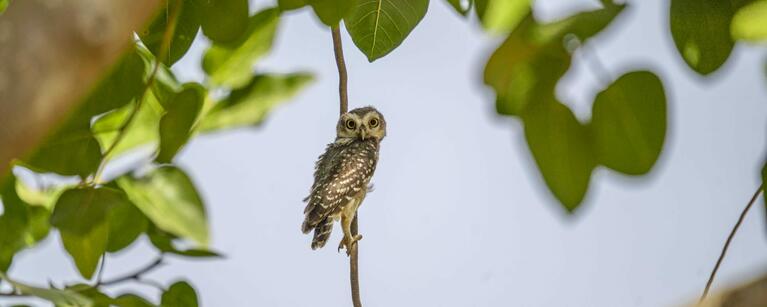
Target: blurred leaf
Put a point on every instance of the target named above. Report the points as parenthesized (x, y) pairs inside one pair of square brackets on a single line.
[(232, 65), (176, 124), (4, 5), (71, 151), (180, 294), (701, 32), (378, 26), (187, 25), (143, 130), (170, 200), (501, 16), (561, 148), (249, 105), (81, 217), (164, 242), (61, 298), (165, 84), (331, 12), (629, 123), (126, 224), (223, 21), (461, 9), (21, 225), (750, 22), (286, 5), (528, 65), (97, 298), (131, 300)]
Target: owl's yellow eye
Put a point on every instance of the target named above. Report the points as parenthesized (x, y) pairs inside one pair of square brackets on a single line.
[(373, 123), (350, 124)]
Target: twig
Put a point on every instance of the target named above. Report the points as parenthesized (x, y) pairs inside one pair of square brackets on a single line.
[(164, 47), (100, 275), (135, 275), (729, 240), (354, 277)]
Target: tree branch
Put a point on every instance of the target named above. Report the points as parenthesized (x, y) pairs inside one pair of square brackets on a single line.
[(729, 240), (133, 276), (164, 47), (344, 107)]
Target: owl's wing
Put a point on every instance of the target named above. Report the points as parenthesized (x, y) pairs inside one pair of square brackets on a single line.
[(348, 174)]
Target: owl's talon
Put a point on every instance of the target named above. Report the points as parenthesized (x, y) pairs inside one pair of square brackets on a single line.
[(348, 244)]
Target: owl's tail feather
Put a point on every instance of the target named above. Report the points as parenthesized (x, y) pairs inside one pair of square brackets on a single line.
[(322, 233)]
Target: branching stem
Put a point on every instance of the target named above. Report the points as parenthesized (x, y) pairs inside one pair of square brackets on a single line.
[(729, 240), (135, 276)]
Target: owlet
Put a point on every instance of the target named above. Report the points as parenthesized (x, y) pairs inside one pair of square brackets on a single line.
[(342, 175)]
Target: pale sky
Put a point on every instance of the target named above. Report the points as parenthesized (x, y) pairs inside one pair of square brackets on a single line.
[(460, 215)]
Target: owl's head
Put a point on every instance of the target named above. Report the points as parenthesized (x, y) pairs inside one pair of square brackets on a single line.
[(362, 123)]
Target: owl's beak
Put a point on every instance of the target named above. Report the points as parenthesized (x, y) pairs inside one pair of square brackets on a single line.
[(363, 133)]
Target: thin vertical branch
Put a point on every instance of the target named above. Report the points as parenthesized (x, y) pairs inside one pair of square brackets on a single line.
[(354, 277), (729, 240), (342, 75)]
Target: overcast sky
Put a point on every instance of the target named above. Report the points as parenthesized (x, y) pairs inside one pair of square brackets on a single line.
[(460, 215)]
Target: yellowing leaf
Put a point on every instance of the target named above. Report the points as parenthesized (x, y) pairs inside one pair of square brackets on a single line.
[(750, 22)]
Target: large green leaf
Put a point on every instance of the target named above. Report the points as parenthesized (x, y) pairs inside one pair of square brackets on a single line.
[(331, 12), (461, 6), (250, 104), (701, 32), (61, 298), (501, 16), (561, 148), (170, 200), (81, 217), (223, 21), (750, 22), (180, 294), (71, 151), (379, 26), (232, 65), (166, 242), (187, 25), (528, 65), (628, 123), (176, 125)]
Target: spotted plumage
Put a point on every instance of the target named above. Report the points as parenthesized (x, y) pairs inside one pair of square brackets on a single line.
[(342, 175)]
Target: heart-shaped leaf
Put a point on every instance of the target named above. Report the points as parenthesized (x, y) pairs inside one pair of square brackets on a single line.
[(379, 26)]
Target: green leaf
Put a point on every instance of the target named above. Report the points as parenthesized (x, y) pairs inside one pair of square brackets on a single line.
[(21, 225), (71, 151), (231, 65), (701, 32), (287, 5), (3, 5), (46, 198), (500, 16), (528, 65), (180, 294), (187, 25), (176, 124), (61, 298), (143, 130), (561, 148), (169, 199), (331, 12), (131, 300), (379, 26), (249, 105), (628, 123), (461, 9), (126, 224), (223, 21), (750, 22), (164, 242), (81, 217), (96, 297)]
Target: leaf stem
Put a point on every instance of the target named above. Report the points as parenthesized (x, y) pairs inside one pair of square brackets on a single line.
[(729, 240), (354, 276), (135, 275), (121, 132)]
